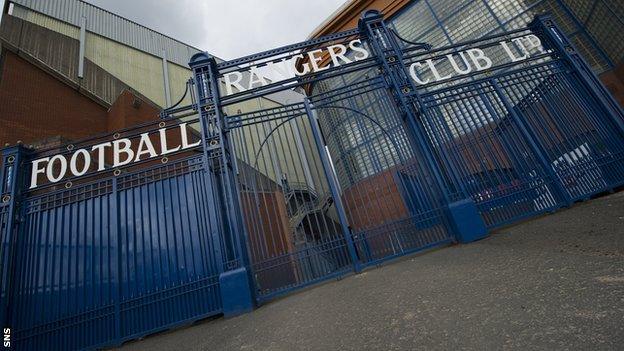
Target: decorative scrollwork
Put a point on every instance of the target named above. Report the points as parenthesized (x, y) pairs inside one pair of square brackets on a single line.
[(422, 46)]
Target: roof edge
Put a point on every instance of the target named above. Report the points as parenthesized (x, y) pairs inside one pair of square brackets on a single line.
[(347, 16)]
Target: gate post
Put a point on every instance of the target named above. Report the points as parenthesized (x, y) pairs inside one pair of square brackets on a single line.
[(333, 185), (235, 280), (466, 222), (560, 42), (11, 191)]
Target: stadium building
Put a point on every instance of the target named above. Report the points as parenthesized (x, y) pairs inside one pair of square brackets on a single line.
[(147, 184), (590, 25), (360, 154), (71, 70)]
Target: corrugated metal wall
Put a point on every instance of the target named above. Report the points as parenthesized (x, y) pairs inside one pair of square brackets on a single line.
[(114, 27), (59, 53), (142, 72)]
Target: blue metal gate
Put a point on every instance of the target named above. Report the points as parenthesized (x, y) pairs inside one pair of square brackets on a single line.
[(400, 148), (527, 138), (113, 257)]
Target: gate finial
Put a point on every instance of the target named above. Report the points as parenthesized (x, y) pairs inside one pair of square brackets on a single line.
[(369, 16), (200, 58)]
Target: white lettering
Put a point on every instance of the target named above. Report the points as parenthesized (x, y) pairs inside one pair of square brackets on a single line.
[(7, 338), (338, 54), (36, 171), (435, 72), (145, 147), (534, 42), (282, 70), (412, 71), (306, 67), (468, 68), (117, 151), (479, 59), (163, 143), (50, 168), (363, 53), (100, 150), (315, 60), (229, 83), (73, 162), (184, 136), (255, 77), (510, 53)]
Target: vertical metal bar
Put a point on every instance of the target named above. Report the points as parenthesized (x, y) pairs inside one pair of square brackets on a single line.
[(224, 166), (583, 28), (409, 101), (199, 85), (81, 54), (302, 154), (165, 68), (228, 159), (14, 169), (116, 233), (566, 49), (333, 186), (529, 136)]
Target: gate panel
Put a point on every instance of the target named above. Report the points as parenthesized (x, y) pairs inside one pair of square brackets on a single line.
[(295, 237), (65, 293), (118, 254), (523, 136), (169, 273), (393, 206), (482, 142), (580, 140)]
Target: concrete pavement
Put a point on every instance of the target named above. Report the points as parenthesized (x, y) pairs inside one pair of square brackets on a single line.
[(555, 282)]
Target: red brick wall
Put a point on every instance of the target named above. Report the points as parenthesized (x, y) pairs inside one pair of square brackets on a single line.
[(125, 112), (269, 238), (614, 80), (34, 105), (374, 201)]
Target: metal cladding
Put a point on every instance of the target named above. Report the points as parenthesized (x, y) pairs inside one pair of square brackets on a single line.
[(114, 27)]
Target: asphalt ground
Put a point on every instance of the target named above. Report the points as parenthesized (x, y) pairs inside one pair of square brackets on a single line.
[(551, 283)]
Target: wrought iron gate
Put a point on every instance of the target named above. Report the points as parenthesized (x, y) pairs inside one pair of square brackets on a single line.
[(112, 255), (527, 138), (398, 150)]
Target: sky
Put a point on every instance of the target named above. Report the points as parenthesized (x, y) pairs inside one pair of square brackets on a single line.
[(227, 28)]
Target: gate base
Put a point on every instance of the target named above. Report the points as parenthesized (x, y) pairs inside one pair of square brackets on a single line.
[(467, 221), (236, 294)]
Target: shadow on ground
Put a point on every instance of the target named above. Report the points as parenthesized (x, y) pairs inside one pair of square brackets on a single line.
[(556, 282)]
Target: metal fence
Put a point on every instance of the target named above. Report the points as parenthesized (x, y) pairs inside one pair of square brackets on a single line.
[(110, 257), (394, 158)]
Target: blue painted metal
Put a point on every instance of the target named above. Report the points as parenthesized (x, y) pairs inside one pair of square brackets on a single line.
[(368, 167), (567, 50), (11, 197), (222, 165), (113, 258), (333, 185), (236, 292), (469, 225)]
